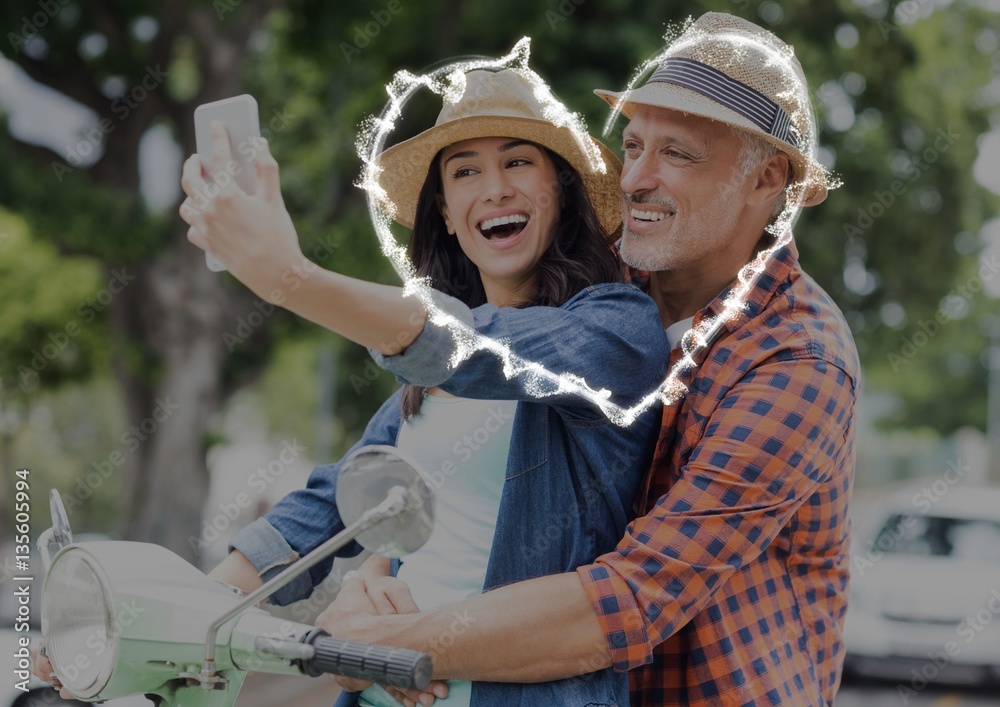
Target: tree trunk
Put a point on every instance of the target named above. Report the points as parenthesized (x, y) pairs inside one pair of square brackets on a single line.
[(179, 312), (169, 319)]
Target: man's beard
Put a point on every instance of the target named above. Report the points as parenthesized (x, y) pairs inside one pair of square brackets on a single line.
[(689, 237), (634, 252)]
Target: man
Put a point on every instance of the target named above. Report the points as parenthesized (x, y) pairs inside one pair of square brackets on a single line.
[(731, 586)]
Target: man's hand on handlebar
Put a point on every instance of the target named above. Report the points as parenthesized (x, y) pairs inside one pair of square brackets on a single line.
[(369, 593)]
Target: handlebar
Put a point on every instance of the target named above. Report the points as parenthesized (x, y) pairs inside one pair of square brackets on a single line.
[(398, 667)]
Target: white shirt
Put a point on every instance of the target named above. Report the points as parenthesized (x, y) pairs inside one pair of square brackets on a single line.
[(461, 446), (677, 330)]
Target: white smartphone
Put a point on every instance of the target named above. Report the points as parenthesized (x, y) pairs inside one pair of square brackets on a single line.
[(240, 116)]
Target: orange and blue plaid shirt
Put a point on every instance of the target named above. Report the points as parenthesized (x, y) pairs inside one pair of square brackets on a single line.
[(730, 588)]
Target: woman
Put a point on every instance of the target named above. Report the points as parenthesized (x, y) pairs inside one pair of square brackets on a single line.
[(510, 226)]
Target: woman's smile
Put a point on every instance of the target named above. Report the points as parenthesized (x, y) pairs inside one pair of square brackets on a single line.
[(503, 229)]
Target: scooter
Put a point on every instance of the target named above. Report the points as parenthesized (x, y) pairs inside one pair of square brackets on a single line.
[(125, 618)]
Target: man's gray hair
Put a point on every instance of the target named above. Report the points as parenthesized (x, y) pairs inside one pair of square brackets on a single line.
[(755, 152)]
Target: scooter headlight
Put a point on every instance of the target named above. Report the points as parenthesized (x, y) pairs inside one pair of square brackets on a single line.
[(78, 623)]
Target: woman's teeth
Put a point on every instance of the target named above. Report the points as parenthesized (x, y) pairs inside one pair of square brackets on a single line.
[(502, 220), (503, 226)]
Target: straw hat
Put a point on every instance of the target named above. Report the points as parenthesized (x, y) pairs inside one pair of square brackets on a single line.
[(497, 104), (728, 69)]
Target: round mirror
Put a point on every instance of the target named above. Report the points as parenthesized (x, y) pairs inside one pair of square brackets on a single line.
[(365, 480)]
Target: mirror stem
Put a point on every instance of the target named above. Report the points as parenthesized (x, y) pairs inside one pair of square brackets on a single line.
[(396, 502)]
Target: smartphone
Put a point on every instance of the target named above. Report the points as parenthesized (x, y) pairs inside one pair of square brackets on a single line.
[(240, 116)]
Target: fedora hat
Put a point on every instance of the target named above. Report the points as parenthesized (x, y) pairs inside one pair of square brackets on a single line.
[(728, 69), (498, 104)]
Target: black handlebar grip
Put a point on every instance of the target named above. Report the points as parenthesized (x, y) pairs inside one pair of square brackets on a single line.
[(398, 667)]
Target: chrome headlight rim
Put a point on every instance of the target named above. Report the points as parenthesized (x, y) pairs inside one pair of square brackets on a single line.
[(100, 681)]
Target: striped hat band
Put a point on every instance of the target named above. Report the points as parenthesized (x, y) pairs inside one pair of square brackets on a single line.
[(727, 91)]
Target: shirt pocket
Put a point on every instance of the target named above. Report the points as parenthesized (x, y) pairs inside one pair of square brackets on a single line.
[(586, 424)]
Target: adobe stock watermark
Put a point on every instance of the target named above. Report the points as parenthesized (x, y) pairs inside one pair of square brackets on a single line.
[(130, 441), (101, 639), (248, 149), (559, 524), (545, 197), (959, 296), (257, 483), (968, 631), (595, 492), (7, 569), (462, 452), (30, 26), (922, 500), (29, 376), (327, 591), (98, 641), (369, 375), (323, 594), (365, 34), (461, 622), (122, 107), (887, 198), (261, 310), (261, 656), (562, 12), (371, 371)]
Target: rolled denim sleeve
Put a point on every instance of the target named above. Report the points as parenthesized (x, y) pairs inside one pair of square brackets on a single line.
[(426, 361), (305, 519), (270, 553), (609, 335)]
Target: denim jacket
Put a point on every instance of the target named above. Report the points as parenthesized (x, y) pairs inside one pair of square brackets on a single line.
[(572, 475)]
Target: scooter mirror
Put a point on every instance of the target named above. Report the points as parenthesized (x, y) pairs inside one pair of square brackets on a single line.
[(385, 505), (365, 479), (60, 534)]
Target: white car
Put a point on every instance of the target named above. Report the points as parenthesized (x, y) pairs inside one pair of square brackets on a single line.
[(925, 591)]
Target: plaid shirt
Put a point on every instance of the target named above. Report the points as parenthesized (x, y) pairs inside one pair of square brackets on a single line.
[(731, 589)]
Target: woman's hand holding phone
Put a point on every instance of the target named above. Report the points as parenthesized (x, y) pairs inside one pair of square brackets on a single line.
[(249, 230), (251, 233)]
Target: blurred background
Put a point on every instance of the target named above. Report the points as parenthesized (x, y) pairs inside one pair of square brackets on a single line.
[(168, 405)]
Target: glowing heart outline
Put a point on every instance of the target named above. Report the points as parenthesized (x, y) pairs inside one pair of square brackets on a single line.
[(449, 82)]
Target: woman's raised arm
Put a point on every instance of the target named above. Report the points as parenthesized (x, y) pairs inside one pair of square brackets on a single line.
[(256, 239)]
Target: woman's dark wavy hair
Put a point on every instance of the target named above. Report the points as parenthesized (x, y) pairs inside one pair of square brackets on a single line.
[(580, 255)]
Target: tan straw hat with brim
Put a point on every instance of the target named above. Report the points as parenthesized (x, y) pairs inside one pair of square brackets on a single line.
[(728, 69), (498, 104)]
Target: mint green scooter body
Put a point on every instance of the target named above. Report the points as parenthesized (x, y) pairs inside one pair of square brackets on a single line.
[(158, 610)]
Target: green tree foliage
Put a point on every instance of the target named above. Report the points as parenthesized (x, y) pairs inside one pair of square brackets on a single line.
[(899, 229), (889, 81), (138, 66), (43, 328), (897, 89)]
